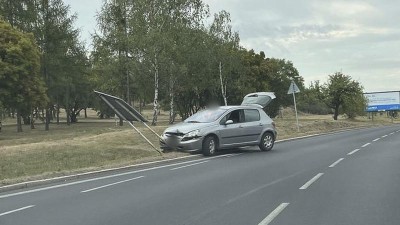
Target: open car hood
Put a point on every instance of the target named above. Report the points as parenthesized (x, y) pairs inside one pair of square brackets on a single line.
[(259, 98)]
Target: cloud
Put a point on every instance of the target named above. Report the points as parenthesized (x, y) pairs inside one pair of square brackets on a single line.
[(320, 37), (360, 38)]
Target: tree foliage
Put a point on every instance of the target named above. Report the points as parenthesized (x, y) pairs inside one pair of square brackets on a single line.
[(21, 86), (172, 54), (63, 63), (343, 94), (310, 100)]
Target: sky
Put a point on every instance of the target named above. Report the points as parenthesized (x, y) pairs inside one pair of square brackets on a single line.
[(320, 37)]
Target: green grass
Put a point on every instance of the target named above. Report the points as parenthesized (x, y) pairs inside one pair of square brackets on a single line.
[(93, 144)]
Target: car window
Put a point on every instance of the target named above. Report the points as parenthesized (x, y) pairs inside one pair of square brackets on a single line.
[(205, 116), (237, 116), (251, 115)]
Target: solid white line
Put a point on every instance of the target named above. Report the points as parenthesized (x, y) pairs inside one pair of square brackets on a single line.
[(17, 210), (177, 168), (273, 214), (108, 185), (376, 139), (306, 185), (335, 163), (384, 136), (354, 151), (365, 145), (105, 177), (233, 155)]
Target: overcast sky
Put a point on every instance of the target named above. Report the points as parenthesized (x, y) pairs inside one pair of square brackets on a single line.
[(320, 37)]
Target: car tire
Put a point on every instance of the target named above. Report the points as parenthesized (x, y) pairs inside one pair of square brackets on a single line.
[(267, 141), (209, 146)]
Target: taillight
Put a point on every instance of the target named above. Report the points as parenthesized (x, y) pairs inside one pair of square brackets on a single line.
[(273, 124)]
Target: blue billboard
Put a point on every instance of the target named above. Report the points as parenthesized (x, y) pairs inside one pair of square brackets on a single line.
[(383, 101)]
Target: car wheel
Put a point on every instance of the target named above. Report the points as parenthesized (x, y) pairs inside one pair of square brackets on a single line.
[(209, 146), (267, 142)]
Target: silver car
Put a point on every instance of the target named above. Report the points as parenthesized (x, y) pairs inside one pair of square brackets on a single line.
[(224, 127)]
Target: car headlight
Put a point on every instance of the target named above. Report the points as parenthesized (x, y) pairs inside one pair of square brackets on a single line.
[(191, 135)]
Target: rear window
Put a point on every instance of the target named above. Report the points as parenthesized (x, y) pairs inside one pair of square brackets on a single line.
[(251, 115)]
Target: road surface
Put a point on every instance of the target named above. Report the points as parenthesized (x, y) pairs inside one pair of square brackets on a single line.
[(351, 177)]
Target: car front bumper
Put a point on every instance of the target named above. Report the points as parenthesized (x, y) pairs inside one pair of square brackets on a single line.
[(175, 143)]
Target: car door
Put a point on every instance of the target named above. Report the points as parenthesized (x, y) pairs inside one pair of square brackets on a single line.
[(252, 126), (232, 134)]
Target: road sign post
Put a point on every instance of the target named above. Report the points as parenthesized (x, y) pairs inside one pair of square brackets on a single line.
[(292, 90), (127, 113)]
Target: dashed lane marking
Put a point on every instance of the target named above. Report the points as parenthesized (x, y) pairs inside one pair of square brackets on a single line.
[(181, 167), (354, 151), (308, 184), (335, 163), (273, 214), (112, 184), (17, 210), (365, 145)]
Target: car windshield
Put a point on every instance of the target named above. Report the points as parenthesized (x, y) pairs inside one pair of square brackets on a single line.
[(205, 116)]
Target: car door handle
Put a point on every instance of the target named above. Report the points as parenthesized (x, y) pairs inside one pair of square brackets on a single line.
[(260, 124), (240, 126)]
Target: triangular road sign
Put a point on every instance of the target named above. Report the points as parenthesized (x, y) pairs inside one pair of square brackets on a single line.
[(293, 88)]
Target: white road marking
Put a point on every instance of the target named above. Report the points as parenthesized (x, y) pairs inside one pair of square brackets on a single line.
[(308, 184), (376, 139), (365, 145), (233, 155), (17, 210), (105, 177), (354, 151), (108, 185), (335, 163), (273, 214), (384, 136), (391, 133), (177, 168)]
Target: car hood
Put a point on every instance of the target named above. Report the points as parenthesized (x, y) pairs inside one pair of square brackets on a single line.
[(185, 127)]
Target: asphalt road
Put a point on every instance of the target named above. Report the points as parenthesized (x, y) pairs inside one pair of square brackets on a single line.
[(351, 177)]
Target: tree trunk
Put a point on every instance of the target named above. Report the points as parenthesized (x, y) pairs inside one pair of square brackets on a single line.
[(171, 97), (58, 114), (19, 121), (155, 103), (32, 121), (67, 111), (336, 113), (74, 118), (47, 119), (223, 87), (85, 113)]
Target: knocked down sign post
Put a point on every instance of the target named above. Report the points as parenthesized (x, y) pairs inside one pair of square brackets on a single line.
[(127, 113)]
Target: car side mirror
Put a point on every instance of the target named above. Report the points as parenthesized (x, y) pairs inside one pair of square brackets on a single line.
[(229, 122)]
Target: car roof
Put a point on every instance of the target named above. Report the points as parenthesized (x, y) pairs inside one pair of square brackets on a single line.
[(251, 106)]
